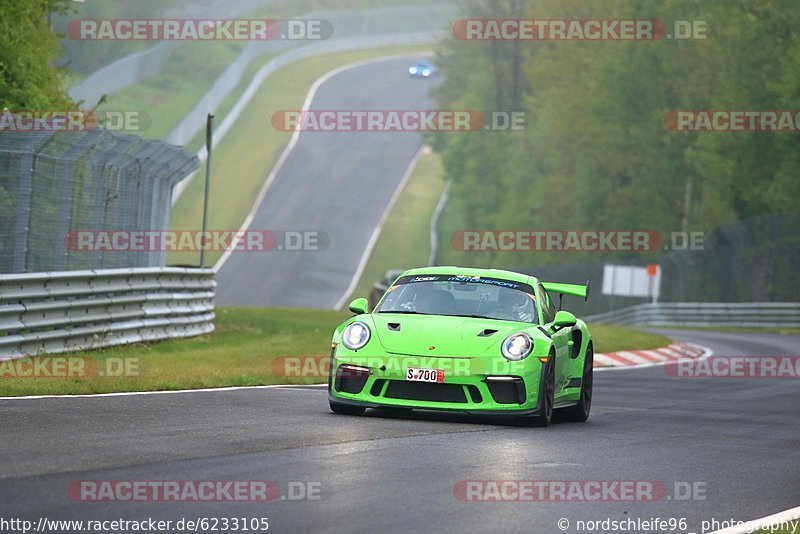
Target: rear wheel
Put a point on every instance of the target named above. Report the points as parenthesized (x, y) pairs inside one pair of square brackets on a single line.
[(346, 409), (580, 412), (546, 394)]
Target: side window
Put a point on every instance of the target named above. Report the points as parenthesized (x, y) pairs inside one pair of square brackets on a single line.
[(548, 312)]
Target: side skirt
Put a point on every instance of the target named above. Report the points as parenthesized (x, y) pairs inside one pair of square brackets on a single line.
[(564, 404)]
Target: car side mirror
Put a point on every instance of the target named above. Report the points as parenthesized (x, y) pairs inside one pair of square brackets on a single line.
[(359, 306), (564, 319)]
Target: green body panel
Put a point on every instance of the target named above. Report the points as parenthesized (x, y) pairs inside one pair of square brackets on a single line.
[(454, 345), (451, 336)]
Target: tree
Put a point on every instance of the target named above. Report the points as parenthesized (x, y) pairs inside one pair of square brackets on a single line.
[(596, 153), (28, 79)]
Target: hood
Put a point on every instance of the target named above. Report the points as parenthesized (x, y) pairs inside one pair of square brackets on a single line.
[(450, 336)]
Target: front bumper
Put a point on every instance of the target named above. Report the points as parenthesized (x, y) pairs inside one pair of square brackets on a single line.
[(485, 386)]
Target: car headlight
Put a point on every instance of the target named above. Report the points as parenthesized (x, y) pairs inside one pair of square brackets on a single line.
[(426, 72), (356, 335), (412, 70), (517, 347)]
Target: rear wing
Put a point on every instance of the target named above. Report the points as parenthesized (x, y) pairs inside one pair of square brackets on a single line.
[(575, 290)]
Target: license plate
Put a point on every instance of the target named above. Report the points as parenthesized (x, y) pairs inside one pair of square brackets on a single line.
[(415, 374)]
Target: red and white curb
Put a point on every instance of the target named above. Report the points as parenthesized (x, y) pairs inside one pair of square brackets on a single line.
[(647, 358)]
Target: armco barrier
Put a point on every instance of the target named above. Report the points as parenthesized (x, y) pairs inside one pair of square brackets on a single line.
[(761, 314), (76, 310)]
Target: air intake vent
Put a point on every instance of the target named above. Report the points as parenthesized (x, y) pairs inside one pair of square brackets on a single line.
[(507, 391), (395, 327), (488, 332), (350, 380), (423, 391)]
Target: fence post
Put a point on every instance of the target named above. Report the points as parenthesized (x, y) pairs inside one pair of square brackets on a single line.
[(209, 143)]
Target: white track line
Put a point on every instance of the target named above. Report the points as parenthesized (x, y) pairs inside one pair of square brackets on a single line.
[(619, 367), (763, 523), (162, 392), (376, 233), (296, 137), (437, 215), (707, 353)]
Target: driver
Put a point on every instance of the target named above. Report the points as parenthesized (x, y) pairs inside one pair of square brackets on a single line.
[(515, 304)]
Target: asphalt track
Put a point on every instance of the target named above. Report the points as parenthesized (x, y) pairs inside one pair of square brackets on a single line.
[(336, 183), (392, 473)]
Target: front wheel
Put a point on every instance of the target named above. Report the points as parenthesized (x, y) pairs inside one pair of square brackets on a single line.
[(580, 412), (347, 409), (547, 391)]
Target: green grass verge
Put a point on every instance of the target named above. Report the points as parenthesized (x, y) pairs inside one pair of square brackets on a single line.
[(453, 219), (167, 97), (240, 353), (608, 338), (405, 240)]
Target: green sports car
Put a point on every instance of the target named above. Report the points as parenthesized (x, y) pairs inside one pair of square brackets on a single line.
[(480, 341)]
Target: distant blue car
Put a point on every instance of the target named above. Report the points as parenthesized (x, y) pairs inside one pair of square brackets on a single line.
[(421, 69)]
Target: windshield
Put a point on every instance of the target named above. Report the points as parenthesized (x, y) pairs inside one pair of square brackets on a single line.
[(465, 296)]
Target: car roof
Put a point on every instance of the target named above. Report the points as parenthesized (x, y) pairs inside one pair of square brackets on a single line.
[(511, 276)]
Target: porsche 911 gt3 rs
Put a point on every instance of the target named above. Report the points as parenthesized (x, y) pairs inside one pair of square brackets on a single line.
[(480, 341)]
